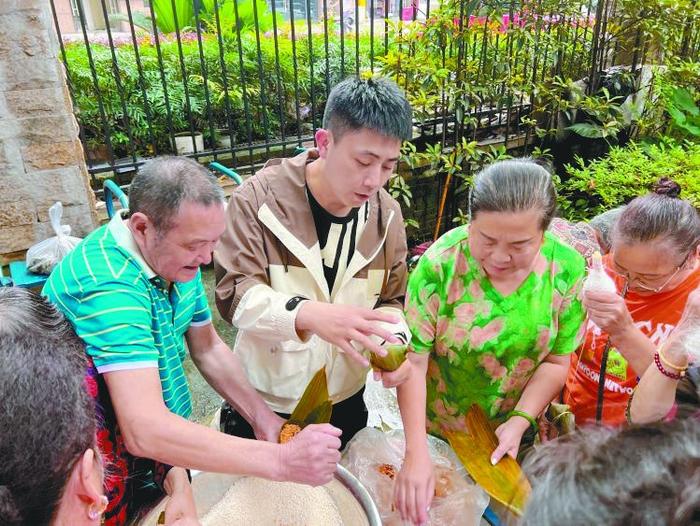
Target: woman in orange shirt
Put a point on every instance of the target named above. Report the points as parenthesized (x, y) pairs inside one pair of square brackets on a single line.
[(654, 262)]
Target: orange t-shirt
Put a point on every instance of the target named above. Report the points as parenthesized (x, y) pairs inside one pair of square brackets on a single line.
[(656, 315)]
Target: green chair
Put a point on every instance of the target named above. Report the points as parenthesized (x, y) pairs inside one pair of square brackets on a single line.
[(112, 190)]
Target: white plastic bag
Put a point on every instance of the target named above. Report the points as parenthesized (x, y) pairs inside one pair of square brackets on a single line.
[(457, 501), (45, 255), (598, 280)]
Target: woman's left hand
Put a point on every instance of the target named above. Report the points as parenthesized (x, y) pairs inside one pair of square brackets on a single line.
[(415, 487), (509, 434), (180, 508), (608, 311)]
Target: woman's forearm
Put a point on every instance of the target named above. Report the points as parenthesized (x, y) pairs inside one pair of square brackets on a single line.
[(411, 397), (543, 387), (653, 397)]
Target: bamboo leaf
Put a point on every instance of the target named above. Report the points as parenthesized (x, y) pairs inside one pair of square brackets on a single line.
[(311, 408), (505, 481)]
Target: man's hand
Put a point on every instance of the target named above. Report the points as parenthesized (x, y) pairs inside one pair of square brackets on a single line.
[(267, 427), (509, 434), (341, 325), (415, 487), (180, 509), (608, 311), (312, 456)]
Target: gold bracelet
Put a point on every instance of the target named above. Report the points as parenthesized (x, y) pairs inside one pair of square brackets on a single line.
[(669, 364)]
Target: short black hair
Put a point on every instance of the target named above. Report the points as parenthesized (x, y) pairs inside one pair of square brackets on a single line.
[(162, 184), (375, 103)]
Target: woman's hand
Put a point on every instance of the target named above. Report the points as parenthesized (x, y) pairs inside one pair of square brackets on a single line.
[(395, 378), (608, 311), (180, 509), (509, 434), (415, 487)]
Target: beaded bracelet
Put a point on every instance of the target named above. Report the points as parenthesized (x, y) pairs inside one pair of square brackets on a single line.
[(523, 414), (666, 372), (669, 364)]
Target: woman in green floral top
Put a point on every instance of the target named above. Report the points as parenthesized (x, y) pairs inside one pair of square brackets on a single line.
[(494, 307)]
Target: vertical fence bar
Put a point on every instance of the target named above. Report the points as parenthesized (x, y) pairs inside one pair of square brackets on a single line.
[(71, 89), (183, 69), (244, 86), (118, 82), (224, 82), (357, 38), (261, 76), (96, 84), (142, 80), (205, 79), (296, 72), (161, 67), (281, 95), (310, 44)]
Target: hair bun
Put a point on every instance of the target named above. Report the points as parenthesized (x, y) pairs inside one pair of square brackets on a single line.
[(668, 187)]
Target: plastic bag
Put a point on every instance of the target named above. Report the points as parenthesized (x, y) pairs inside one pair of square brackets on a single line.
[(598, 280), (371, 455), (45, 255)]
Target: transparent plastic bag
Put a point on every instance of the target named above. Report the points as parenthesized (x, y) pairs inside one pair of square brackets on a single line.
[(457, 499), (45, 255)]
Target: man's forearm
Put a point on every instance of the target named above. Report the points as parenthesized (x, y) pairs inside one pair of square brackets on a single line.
[(223, 371), (173, 440)]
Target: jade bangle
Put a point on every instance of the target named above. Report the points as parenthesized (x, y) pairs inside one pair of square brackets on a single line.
[(527, 417)]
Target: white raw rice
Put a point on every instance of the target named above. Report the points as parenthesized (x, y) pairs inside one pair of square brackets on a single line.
[(257, 502)]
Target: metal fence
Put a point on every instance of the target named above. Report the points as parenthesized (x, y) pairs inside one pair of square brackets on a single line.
[(241, 81)]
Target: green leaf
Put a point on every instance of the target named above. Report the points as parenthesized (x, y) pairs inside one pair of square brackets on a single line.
[(590, 131), (683, 100)]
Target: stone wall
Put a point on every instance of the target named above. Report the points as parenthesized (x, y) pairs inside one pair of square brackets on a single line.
[(41, 159)]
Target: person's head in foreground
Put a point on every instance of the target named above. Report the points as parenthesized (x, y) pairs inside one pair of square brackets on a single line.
[(655, 240), (176, 216), (511, 206), (364, 124), (50, 471), (644, 476)]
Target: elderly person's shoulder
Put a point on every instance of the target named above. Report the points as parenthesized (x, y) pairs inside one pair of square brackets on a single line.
[(580, 236)]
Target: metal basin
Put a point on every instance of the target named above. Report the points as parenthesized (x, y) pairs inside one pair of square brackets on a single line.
[(355, 505)]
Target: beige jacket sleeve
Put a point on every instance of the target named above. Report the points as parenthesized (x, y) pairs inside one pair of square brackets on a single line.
[(394, 290), (243, 293)]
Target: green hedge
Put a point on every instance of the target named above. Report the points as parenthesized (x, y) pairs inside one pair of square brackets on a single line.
[(625, 173)]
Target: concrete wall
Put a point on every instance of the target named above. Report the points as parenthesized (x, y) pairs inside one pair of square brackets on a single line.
[(41, 159)]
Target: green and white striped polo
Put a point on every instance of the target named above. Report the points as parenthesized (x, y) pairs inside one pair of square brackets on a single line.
[(126, 315)]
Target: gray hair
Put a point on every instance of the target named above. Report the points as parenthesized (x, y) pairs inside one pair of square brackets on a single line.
[(48, 419), (644, 475), (376, 104), (162, 184), (514, 185), (604, 224), (660, 215)]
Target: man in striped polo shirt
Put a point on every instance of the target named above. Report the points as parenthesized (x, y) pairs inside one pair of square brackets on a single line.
[(133, 291)]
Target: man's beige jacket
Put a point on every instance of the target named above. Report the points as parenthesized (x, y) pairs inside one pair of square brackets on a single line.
[(269, 258)]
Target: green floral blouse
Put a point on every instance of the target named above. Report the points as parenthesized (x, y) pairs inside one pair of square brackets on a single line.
[(484, 346)]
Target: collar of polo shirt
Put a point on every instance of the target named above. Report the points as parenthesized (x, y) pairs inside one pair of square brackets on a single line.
[(125, 239)]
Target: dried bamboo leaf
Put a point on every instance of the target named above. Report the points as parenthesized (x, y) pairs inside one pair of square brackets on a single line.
[(315, 405), (505, 481)]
